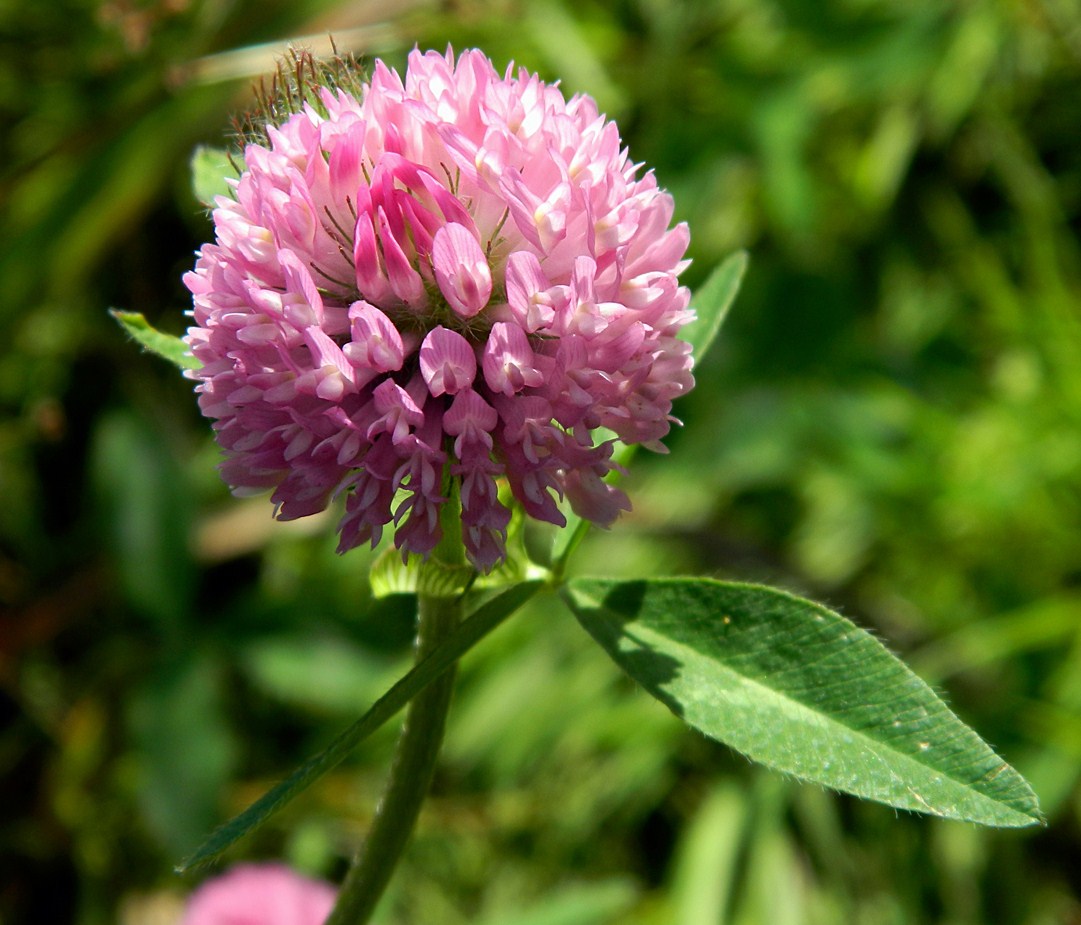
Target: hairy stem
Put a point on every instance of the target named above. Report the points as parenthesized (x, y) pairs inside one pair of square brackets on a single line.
[(410, 774)]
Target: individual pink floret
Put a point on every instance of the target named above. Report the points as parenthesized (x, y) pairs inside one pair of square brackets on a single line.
[(461, 270), (461, 276)]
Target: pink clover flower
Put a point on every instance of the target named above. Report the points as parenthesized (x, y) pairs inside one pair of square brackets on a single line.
[(458, 274)]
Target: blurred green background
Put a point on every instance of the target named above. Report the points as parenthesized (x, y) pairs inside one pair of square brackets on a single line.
[(889, 424)]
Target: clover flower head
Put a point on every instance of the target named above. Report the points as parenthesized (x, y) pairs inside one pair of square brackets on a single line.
[(455, 275), (260, 894)]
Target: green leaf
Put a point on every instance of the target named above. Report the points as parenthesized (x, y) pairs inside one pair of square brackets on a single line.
[(712, 301), (803, 690), (474, 628), (167, 346), (210, 169)]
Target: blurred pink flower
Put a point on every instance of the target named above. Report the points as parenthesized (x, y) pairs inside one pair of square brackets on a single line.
[(260, 894), (459, 273)]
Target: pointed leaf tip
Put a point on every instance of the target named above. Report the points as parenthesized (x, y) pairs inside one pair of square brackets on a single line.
[(167, 346)]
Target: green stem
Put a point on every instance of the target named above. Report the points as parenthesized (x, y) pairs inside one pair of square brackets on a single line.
[(410, 774)]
